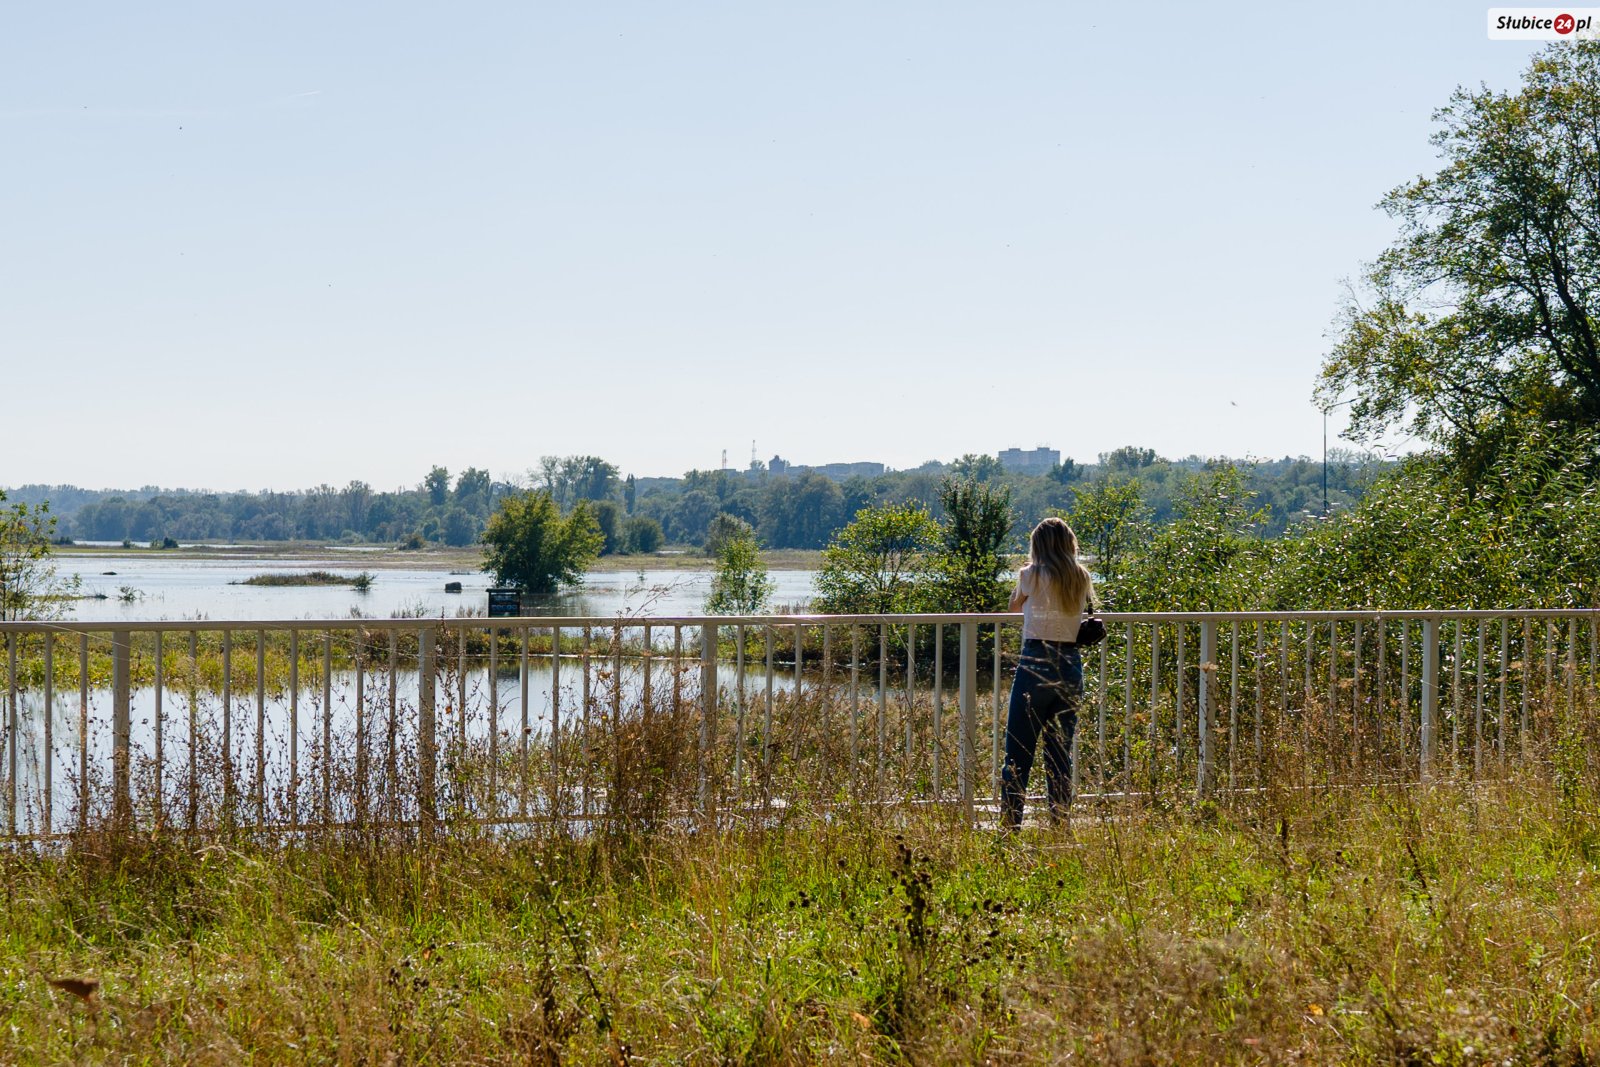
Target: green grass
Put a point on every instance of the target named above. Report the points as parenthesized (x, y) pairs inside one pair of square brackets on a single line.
[(1452, 925), (358, 581)]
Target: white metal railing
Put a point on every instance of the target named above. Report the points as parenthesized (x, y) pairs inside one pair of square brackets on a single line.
[(295, 724)]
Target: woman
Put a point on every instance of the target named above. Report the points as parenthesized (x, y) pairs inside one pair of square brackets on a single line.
[(1052, 592)]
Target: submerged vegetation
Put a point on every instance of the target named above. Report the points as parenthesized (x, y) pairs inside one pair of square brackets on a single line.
[(360, 582)]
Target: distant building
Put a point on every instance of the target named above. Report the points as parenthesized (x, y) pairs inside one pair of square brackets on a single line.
[(1038, 461), (840, 471), (837, 471)]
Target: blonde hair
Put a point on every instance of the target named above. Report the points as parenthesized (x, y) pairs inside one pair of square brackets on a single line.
[(1053, 553)]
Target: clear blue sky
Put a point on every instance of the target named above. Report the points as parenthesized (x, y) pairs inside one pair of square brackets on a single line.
[(271, 245)]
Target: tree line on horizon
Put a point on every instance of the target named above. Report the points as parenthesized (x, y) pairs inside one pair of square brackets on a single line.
[(800, 508)]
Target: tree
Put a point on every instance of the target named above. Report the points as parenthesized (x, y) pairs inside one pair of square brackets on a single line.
[(800, 512), (1109, 517), (1483, 318), (608, 515), (1066, 471), (641, 534), (740, 585), (725, 528), (976, 528), (530, 545), (572, 478), (881, 563), (29, 588), (1127, 458), (1208, 558), (437, 484), (458, 529), (630, 492), (974, 467), (472, 490)]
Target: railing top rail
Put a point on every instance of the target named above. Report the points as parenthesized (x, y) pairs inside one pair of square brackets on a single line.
[(602, 622)]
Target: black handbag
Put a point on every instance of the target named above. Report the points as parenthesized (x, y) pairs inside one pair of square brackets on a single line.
[(1091, 631)]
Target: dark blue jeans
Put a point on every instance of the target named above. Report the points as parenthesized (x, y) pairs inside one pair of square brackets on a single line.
[(1044, 700)]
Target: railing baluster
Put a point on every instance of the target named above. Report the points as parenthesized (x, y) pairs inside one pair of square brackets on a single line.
[(1500, 719), (825, 747), (938, 707), (1405, 685), (588, 719), (121, 729), (1430, 693), (995, 718), (1355, 695), (194, 731), (883, 698), (1155, 697), (327, 729), (11, 735), (649, 649), (1261, 694), (1179, 679), (911, 699), (391, 730), (1100, 717), (1233, 698), (83, 731), (1455, 695), (739, 717), (1127, 705), (1332, 715), (160, 750), (227, 727), (855, 710), (1477, 713), (1572, 664), (493, 797), (1527, 684), (427, 731), (1380, 705), (522, 735), (677, 669), (557, 807), (708, 709), (294, 728), (260, 789), (47, 806), (967, 687), (766, 724), (1205, 688)]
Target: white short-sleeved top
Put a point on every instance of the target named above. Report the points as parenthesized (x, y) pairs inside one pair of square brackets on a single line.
[(1043, 617)]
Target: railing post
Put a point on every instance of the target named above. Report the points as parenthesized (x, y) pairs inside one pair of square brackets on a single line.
[(427, 733), (969, 713), (708, 708), (11, 735), (121, 692), (1208, 667), (1430, 692)]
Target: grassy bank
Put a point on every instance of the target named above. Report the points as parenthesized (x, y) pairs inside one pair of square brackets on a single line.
[(1455, 925)]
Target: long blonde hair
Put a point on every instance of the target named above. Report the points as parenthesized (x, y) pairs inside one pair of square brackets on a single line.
[(1053, 553)]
